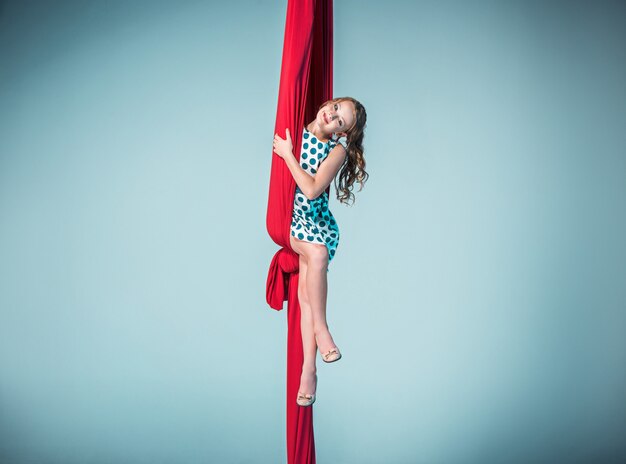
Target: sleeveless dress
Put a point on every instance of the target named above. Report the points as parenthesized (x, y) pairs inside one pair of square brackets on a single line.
[(312, 220)]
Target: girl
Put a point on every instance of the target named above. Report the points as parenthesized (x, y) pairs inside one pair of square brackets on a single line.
[(332, 141)]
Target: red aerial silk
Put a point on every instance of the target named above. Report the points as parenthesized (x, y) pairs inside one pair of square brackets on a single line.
[(306, 81)]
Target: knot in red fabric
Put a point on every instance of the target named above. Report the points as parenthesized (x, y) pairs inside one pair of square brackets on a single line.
[(284, 263)]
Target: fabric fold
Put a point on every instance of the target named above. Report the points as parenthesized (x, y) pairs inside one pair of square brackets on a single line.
[(284, 263)]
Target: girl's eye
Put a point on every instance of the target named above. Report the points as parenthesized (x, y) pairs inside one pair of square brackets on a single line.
[(335, 106)]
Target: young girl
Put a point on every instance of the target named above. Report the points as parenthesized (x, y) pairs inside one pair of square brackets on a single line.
[(331, 142)]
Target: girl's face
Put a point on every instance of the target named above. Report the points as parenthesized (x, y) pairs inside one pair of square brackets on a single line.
[(336, 117)]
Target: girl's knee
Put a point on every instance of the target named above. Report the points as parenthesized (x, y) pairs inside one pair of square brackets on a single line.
[(317, 256)]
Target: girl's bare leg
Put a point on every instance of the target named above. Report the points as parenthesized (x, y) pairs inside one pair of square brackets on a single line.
[(316, 289), (308, 382)]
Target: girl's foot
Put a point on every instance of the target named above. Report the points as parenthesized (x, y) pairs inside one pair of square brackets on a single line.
[(308, 386), (327, 347)]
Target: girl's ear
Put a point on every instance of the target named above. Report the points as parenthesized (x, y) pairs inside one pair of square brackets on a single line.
[(341, 134)]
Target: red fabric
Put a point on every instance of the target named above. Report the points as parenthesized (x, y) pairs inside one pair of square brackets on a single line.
[(305, 83)]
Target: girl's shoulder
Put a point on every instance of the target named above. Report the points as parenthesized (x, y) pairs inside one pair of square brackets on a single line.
[(336, 139)]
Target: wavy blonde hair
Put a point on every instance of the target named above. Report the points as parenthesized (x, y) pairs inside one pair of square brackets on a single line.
[(353, 168)]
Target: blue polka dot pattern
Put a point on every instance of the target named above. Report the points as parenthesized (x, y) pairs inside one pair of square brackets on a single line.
[(312, 220)]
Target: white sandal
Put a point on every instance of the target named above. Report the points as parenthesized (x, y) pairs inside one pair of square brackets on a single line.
[(332, 356), (306, 400)]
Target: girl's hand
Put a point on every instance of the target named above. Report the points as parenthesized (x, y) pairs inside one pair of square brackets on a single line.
[(283, 147)]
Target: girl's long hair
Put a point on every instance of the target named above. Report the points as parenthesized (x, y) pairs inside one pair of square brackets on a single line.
[(353, 168)]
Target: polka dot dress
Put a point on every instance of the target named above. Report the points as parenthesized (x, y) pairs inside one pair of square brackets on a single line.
[(312, 220)]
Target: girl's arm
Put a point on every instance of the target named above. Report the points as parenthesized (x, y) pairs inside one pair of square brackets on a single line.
[(327, 171), (312, 187)]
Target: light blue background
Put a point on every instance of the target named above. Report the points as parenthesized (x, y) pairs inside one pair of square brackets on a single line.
[(478, 290)]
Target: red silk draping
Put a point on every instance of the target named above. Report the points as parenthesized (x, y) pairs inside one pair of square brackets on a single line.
[(306, 81)]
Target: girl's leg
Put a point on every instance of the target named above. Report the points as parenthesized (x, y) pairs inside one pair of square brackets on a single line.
[(316, 288), (307, 380)]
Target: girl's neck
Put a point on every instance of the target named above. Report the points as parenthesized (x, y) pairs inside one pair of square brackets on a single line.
[(317, 132)]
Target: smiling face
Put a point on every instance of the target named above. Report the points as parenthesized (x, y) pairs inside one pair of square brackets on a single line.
[(336, 117)]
